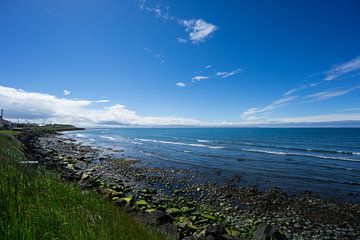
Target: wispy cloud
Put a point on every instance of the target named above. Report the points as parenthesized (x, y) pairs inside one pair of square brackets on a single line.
[(319, 118), (181, 40), (160, 57), (157, 56), (198, 29), (333, 73), (274, 105), (180, 84), (342, 69), (66, 92), (324, 95), (102, 101), (228, 74), (157, 10), (351, 109), (294, 90), (199, 78), (45, 108)]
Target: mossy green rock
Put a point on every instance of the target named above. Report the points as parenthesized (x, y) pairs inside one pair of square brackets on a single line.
[(141, 203), (210, 217), (127, 199), (173, 211)]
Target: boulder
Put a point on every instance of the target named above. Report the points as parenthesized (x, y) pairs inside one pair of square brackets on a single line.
[(268, 232), (159, 217)]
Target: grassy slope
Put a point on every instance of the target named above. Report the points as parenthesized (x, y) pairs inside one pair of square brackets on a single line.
[(36, 205)]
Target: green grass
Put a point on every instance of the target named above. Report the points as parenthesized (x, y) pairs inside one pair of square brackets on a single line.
[(55, 128), (9, 132), (35, 204)]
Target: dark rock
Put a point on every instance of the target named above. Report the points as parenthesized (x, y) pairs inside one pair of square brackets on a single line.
[(159, 218), (216, 230), (268, 232), (171, 230)]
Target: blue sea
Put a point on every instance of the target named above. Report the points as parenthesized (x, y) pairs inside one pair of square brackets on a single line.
[(323, 160)]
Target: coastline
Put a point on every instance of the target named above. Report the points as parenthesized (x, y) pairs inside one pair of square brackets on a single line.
[(186, 208)]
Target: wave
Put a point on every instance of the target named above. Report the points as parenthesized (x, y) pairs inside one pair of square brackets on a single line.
[(203, 141), (320, 150), (316, 150), (108, 137), (264, 151), (233, 146), (180, 143), (301, 155)]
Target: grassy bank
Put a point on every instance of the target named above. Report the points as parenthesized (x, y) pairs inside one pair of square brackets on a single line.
[(55, 128), (36, 205)]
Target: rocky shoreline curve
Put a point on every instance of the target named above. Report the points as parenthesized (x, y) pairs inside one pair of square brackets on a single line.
[(187, 208)]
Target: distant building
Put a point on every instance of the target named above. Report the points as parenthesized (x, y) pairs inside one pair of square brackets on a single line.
[(4, 124)]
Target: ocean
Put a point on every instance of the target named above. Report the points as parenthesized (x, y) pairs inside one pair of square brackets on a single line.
[(322, 160)]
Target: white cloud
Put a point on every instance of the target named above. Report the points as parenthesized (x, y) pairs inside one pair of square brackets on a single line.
[(320, 118), (102, 101), (351, 109), (208, 66), (199, 78), (181, 40), (157, 11), (198, 29), (66, 92), (45, 108), (324, 95), (180, 84), (228, 74), (274, 105), (342, 69)]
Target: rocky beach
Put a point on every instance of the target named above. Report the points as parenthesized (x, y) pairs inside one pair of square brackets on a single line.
[(183, 204)]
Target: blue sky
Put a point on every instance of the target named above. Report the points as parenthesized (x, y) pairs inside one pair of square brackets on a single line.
[(209, 63)]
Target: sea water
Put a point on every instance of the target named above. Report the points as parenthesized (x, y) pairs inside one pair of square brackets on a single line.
[(323, 160)]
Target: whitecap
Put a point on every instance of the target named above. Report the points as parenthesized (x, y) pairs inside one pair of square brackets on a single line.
[(179, 143), (108, 137)]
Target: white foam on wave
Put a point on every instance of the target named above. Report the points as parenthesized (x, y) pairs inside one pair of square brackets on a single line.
[(264, 151), (179, 143), (216, 147), (108, 137), (79, 135), (302, 155), (203, 141)]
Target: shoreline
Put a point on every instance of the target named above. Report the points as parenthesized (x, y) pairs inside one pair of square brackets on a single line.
[(187, 207)]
